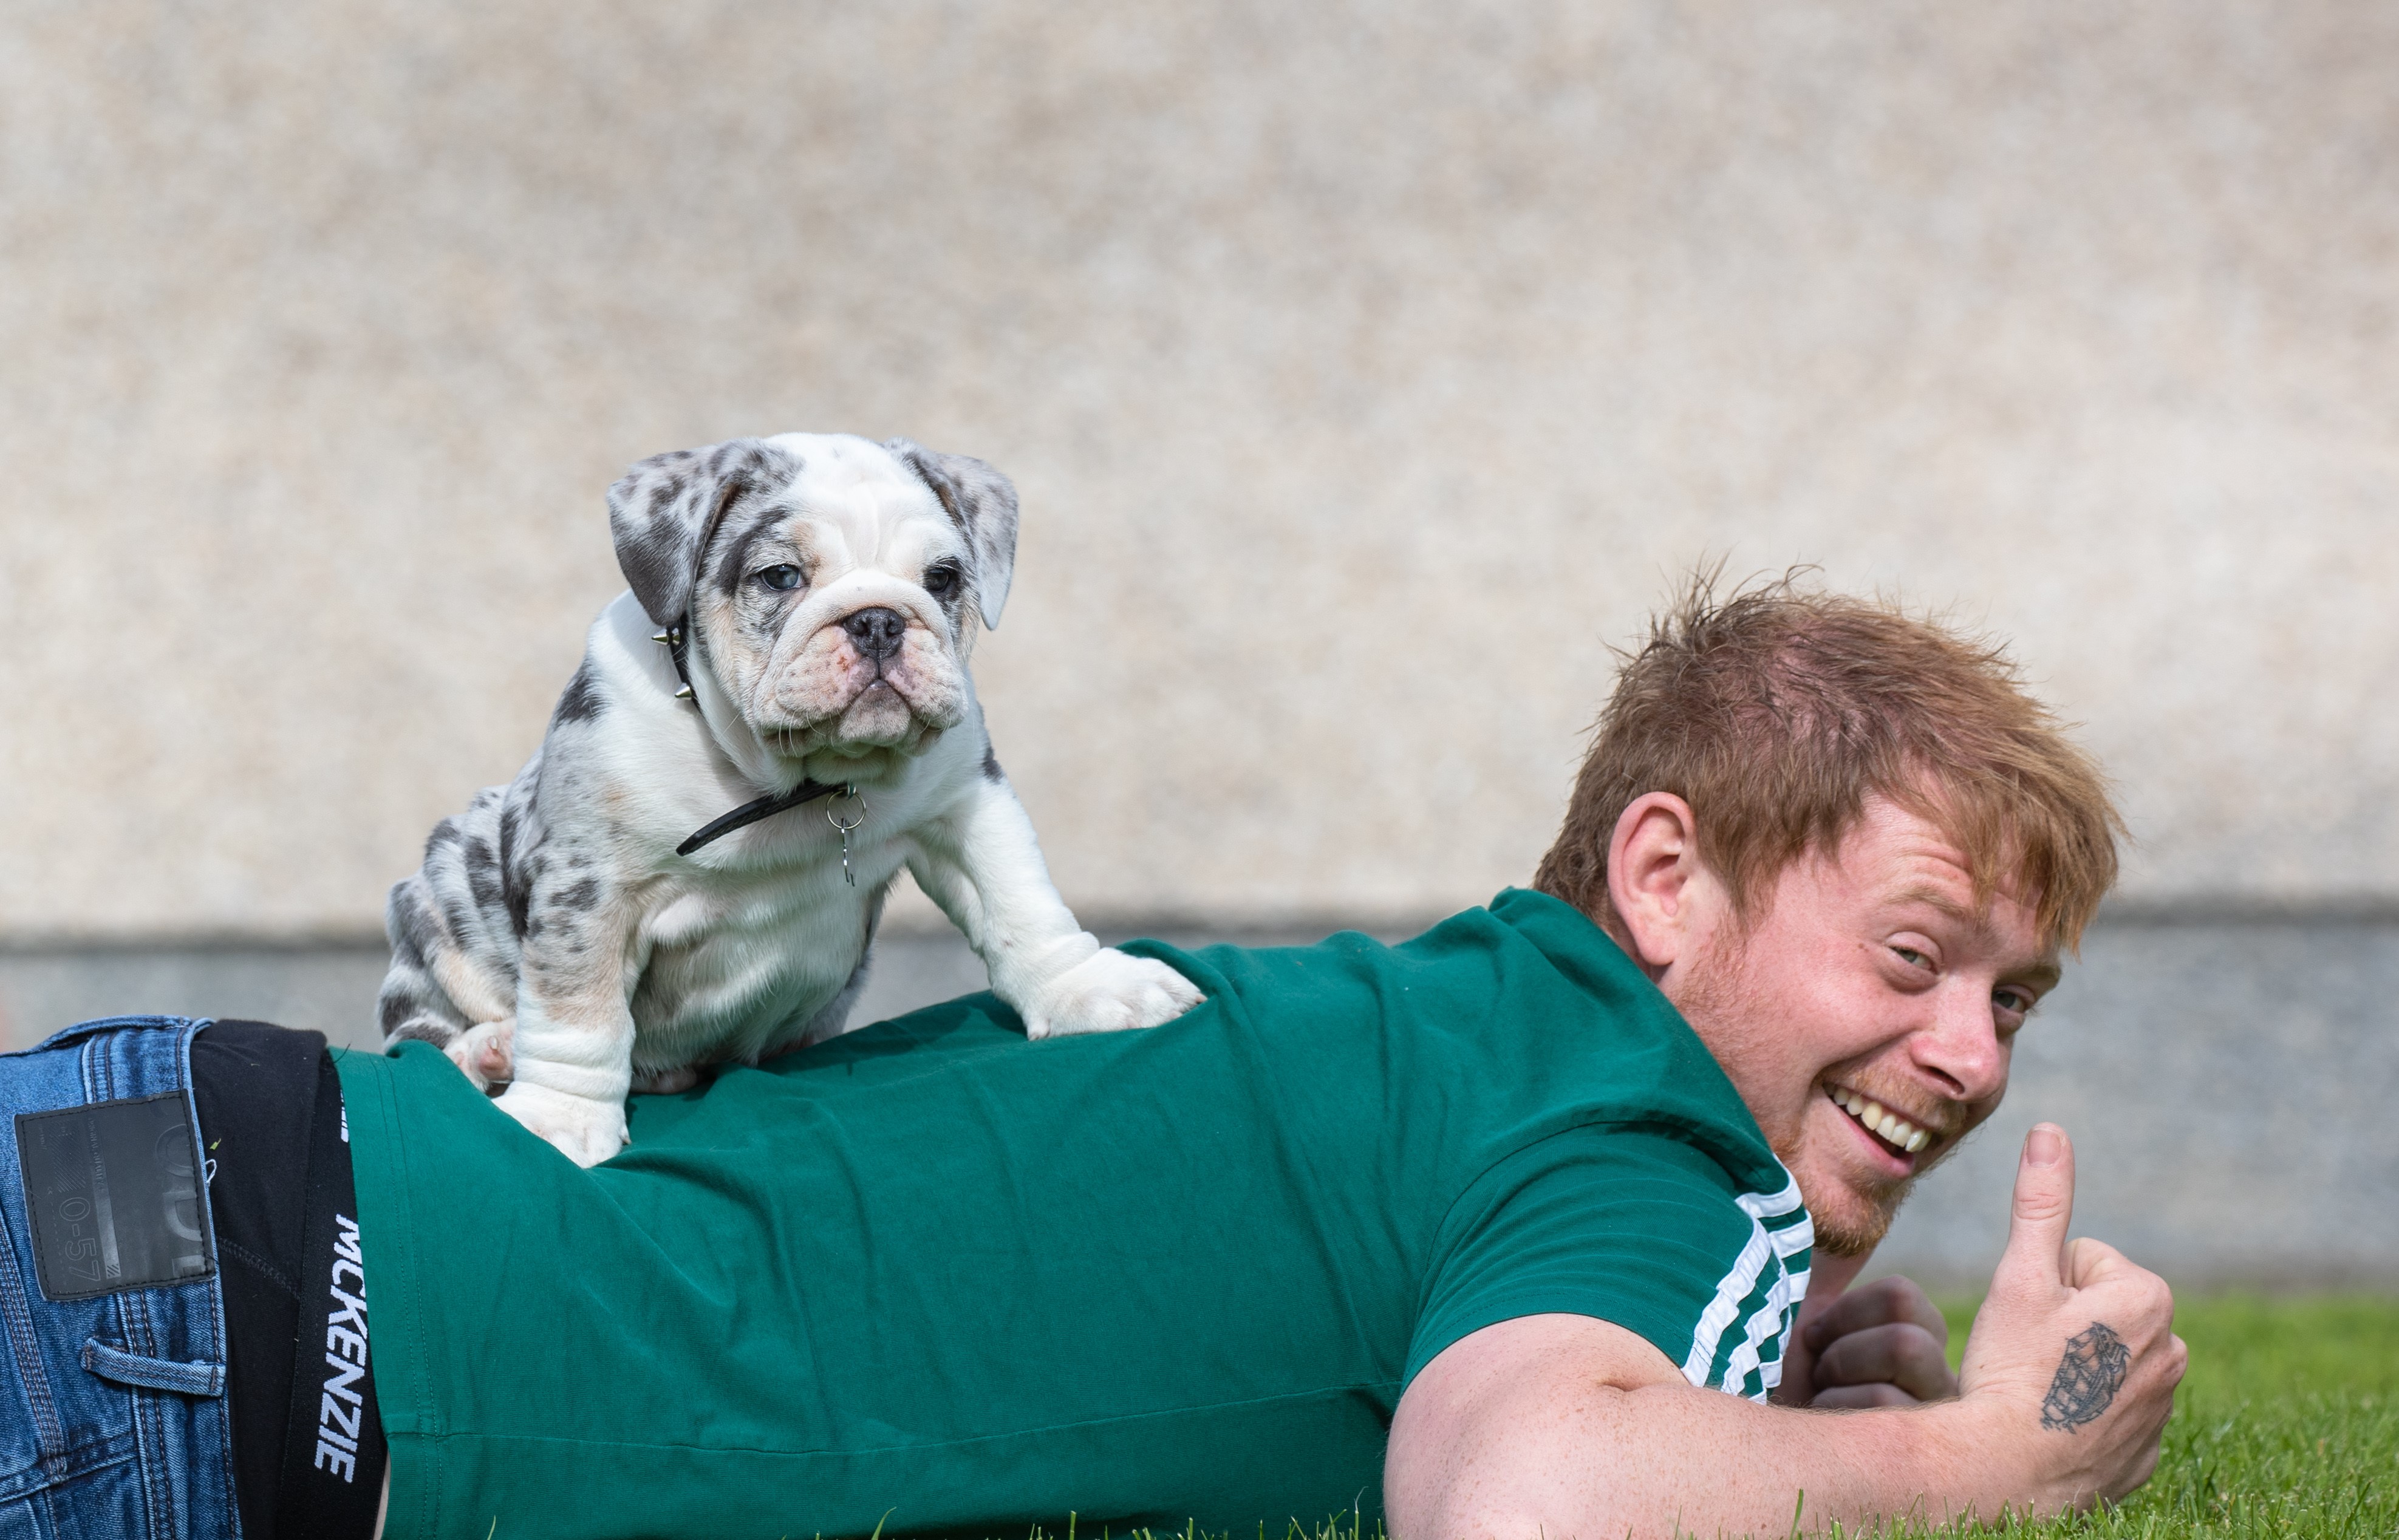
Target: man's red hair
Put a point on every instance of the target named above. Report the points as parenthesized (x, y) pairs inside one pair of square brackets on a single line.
[(1778, 712)]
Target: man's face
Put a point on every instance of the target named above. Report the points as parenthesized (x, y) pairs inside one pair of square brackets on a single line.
[(1868, 979)]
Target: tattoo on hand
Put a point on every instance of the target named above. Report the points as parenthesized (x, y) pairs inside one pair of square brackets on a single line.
[(2088, 1378)]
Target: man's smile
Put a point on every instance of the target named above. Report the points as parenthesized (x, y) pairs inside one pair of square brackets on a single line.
[(1894, 1139)]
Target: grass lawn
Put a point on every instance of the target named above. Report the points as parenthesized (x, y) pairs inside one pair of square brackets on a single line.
[(2286, 1425)]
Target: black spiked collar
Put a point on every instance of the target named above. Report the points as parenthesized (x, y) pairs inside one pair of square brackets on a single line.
[(676, 639)]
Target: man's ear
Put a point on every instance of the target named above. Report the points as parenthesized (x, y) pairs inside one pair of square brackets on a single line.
[(663, 511), (1666, 900), (982, 503)]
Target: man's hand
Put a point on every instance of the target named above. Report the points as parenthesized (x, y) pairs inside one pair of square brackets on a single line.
[(2073, 1360), (1881, 1344)]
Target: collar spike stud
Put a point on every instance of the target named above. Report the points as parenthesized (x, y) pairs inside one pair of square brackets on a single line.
[(684, 694), (664, 639)]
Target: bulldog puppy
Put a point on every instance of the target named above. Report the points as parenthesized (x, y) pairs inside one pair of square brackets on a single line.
[(773, 722)]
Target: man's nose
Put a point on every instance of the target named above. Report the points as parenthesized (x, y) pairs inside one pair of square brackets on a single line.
[(877, 632), (1963, 1049)]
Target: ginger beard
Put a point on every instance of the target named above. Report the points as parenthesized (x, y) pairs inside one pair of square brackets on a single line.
[(1851, 1213)]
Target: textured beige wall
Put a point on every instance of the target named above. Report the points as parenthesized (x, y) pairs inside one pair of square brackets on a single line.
[(1364, 370)]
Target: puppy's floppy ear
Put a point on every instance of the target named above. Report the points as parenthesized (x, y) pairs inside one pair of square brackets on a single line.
[(982, 503), (663, 511)]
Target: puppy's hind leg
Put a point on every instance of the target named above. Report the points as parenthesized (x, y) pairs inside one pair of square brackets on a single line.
[(484, 1050), (485, 1054), (452, 990)]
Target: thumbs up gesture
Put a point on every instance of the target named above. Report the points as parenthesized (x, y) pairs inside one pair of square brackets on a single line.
[(2073, 1357)]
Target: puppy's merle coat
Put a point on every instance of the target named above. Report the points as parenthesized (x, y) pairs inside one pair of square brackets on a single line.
[(824, 592)]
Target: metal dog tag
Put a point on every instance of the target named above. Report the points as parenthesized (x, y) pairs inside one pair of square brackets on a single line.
[(115, 1195)]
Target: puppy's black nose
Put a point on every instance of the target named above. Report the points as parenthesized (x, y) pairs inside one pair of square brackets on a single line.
[(877, 632)]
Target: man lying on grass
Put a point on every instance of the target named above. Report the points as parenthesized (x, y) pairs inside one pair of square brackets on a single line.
[(1506, 1231)]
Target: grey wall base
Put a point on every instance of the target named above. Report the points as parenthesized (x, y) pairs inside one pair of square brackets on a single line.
[(328, 988), (2230, 1086)]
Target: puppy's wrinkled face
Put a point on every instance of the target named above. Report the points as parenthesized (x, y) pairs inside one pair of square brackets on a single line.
[(833, 584), (834, 609)]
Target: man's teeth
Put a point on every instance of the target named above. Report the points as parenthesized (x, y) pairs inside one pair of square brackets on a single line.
[(1883, 1120)]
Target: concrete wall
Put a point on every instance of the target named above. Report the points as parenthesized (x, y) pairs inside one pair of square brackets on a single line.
[(1366, 371)]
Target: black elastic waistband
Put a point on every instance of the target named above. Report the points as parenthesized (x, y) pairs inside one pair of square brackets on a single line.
[(309, 1446)]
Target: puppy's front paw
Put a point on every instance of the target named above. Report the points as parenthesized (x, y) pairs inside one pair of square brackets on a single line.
[(586, 1131), (485, 1054), (1110, 991)]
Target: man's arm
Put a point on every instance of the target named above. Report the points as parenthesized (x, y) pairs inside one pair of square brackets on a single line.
[(1564, 1426)]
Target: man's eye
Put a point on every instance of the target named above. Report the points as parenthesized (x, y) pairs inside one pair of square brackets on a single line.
[(941, 580), (782, 575), (2013, 1000), (1912, 957)]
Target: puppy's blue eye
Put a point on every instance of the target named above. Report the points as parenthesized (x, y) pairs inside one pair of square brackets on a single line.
[(783, 576), (941, 580)]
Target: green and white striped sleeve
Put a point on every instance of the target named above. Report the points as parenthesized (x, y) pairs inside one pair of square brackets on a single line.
[(1737, 1344), (1631, 1224)]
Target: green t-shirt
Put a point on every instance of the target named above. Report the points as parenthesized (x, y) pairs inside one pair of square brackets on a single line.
[(932, 1277)]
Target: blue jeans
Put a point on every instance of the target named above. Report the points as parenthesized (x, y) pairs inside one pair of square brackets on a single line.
[(114, 1423)]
